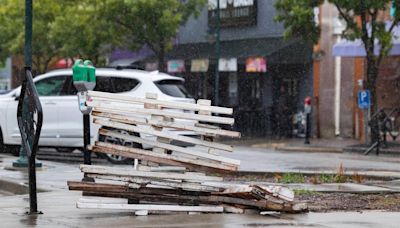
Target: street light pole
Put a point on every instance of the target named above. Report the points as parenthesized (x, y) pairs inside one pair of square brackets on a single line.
[(217, 54)]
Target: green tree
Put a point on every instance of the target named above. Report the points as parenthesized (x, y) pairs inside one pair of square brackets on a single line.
[(12, 32), (80, 31), (61, 28), (154, 23), (362, 22)]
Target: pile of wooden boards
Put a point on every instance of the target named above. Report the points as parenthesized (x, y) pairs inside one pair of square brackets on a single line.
[(169, 177)]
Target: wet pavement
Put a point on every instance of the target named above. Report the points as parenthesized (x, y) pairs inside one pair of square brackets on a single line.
[(59, 211), (58, 205), (269, 160)]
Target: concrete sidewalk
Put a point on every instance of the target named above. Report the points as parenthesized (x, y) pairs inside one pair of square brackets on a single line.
[(297, 144), (59, 210), (58, 204)]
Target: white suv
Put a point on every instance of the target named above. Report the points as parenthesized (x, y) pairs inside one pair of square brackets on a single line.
[(62, 120)]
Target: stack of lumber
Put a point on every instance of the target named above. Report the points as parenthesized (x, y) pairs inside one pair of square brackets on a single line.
[(169, 178)]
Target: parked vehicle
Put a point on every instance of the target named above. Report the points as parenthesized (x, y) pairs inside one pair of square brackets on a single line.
[(62, 120)]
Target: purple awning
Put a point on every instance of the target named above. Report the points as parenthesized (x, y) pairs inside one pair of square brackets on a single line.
[(347, 48)]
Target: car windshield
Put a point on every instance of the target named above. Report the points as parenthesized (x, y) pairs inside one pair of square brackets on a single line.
[(173, 88)]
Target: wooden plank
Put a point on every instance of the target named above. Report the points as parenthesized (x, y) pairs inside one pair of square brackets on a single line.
[(113, 188), (277, 191), (168, 159), (129, 172), (116, 109), (161, 103), (152, 183), (232, 209), (207, 131), (185, 186), (190, 151), (103, 200), (153, 207), (169, 134), (260, 204)]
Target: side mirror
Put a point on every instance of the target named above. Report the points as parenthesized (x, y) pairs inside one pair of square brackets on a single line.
[(17, 95)]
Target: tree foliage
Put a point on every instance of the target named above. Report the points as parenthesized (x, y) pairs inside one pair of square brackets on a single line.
[(151, 22), (91, 29), (363, 22), (12, 30)]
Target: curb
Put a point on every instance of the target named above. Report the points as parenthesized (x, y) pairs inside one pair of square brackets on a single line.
[(288, 148), (310, 149), (375, 175), (16, 188), (383, 151)]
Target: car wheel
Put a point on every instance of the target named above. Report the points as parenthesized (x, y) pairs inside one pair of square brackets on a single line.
[(116, 159)]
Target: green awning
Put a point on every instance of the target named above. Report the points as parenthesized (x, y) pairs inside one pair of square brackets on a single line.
[(275, 49)]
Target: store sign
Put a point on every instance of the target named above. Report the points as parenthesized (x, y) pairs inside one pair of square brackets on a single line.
[(199, 65), (227, 65), (258, 64), (176, 66), (232, 12)]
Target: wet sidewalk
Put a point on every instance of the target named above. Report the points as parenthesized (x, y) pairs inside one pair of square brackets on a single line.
[(59, 209), (334, 145)]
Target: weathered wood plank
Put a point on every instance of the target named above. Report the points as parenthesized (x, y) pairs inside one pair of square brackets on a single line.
[(165, 104), (190, 151), (113, 108), (159, 123), (154, 207), (260, 204), (112, 188), (168, 159), (129, 172), (169, 134)]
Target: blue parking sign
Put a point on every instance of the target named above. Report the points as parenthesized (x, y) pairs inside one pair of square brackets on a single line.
[(364, 99)]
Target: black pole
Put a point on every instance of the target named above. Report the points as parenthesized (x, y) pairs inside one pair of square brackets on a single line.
[(32, 185), (86, 139), (218, 52), (28, 33), (28, 66), (308, 126)]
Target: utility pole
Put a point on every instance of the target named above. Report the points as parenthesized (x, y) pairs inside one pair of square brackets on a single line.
[(217, 55)]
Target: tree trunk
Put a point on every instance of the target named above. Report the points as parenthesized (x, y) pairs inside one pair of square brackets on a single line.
[(372, 75), (161, 60)]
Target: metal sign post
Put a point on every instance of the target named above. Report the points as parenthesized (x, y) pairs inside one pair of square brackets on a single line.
[(84, 76), (364, 103)]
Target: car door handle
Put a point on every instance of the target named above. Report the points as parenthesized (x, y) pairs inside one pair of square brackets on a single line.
[(50, 103)]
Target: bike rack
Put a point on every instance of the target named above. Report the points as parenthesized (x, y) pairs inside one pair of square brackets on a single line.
[(379, 123), (30, 119)]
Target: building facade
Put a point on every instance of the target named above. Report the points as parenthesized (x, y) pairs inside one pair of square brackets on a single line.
[(262, 76)]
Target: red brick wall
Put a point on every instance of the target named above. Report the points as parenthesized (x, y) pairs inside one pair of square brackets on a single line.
[(388, 83)]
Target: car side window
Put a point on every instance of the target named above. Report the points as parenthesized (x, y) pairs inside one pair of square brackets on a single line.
[(124, 84), (104, 84), (69, 88), (50, 86), (115, 84)]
